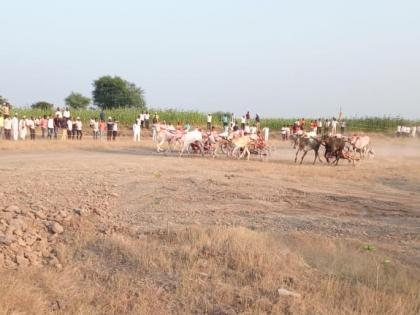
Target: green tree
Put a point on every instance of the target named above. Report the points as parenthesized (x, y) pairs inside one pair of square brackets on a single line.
[(77, 101), (111, 92), (45, 106), (2, 100)]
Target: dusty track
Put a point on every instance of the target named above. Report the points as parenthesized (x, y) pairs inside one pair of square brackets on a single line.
[(146, 233), (377, 201)]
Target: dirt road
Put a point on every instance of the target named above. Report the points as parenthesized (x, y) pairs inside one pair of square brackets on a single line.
[(377, 200), (138, 192)]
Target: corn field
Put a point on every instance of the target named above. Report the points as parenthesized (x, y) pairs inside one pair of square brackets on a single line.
[(127, 116)]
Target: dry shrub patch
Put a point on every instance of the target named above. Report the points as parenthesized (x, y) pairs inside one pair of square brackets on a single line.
[(213, 270)]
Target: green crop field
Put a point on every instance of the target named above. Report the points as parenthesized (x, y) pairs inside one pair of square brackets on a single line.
[(126, 116)]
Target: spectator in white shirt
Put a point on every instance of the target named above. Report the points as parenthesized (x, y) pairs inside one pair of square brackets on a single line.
[(69, 128), (31, 126), (7, 128), (136, 132), (243, 121), (22, 128), (50, 126), (115, 130), (15, 127), (66, 113), (142, 119), (58, 113), (95, 126), (319, 126), (79, 126), (209, 118), (334, 126)]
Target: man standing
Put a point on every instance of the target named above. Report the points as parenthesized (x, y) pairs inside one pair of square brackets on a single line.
[(69, 128), (115, 130), (225, 122), (155, 118), (243, 121), (319, 127), (327, 126), (57, 125), (209, 118), (247, 117), (109, 129), (314, 127), (31, 126), (147, 119), (155, 124), (102, 128), (343, 126), (257, 121), (44, 125), (58, 113), (63, 126), (95, 127), (7, 127), (1, 125), (302, 123), (142, 120), (136, 131), (50, 126), (334, 126), (15, 127), (22, 128), (79, 126), (66, 114)]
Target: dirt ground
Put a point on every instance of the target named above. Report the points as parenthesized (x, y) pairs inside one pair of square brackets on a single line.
[(140, 192)]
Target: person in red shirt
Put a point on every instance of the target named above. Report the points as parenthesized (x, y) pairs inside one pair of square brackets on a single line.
[(44, 125), (313, 126), (302, 123), (102, 128)]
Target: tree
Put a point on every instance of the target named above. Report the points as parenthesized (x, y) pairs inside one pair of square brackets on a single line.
[(77, 101), (2, 100), (45, 106), (111, 92)]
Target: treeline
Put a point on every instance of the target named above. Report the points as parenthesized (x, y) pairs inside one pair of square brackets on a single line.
[(108, 92)]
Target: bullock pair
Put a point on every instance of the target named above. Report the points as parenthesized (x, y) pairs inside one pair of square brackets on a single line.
[(174, 137), (336, 147), (208, 142)]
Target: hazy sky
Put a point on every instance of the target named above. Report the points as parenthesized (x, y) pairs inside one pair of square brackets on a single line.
[(280, 58)]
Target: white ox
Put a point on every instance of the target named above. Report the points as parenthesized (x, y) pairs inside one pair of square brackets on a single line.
[(167, 134), (361, 144), (191, 137)]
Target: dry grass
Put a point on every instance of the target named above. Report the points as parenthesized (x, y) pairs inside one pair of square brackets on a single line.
[(214, 271)]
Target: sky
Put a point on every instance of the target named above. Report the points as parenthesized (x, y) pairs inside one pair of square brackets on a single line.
[(277, 58)]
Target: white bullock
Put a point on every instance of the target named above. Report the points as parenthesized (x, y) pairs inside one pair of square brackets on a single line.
[(361, 144), (192, 137)]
